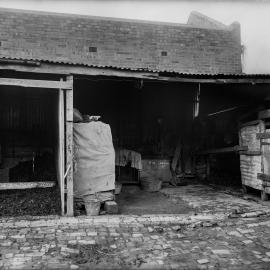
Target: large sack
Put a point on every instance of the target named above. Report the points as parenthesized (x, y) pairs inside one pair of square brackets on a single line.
[(94, 158)]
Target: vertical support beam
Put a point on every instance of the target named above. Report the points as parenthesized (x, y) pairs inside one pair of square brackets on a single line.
[(69, 148), (208, 167), (61, 148), (196, 101)]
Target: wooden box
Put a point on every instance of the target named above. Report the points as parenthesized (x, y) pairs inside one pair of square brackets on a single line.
[(256, 160)]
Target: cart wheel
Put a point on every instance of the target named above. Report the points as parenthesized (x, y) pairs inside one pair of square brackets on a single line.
[(264, 196)]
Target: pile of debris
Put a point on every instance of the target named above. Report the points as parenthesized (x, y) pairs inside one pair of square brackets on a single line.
[(34, 202)]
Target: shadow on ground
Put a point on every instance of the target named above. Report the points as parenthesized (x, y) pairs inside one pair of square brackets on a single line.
[(134, 201)]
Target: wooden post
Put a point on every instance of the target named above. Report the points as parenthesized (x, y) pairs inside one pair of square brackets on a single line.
[(208, 167), (69, 148), (177, 157), (196, 102), (61, 148)]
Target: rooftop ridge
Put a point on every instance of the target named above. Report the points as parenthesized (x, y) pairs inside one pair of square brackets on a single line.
[(197, 18), (93, 17)]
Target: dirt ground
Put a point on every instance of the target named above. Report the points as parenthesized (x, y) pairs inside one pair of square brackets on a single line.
[(134, 201), (34, 202)]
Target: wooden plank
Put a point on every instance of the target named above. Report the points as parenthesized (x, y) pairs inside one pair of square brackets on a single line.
[(223, 111), (64, 69), (69, 167), (264, 177), (264, 135), (236, 148), (26, 185), (208, 167), (266, 158), (61, 148), (251, 153), (176, 157), (69, 148), (80, 70), (69, 102), (36, 83)]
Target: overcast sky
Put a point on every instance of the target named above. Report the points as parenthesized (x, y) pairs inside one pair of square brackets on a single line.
[(254, 17)]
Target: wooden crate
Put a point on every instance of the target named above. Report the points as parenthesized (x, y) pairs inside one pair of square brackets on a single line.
[(255, 160)]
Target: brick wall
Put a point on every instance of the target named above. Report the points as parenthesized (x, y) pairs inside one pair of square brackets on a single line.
[(119, 43)]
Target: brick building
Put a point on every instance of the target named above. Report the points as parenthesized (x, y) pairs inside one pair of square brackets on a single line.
[(200, 46), (136, 74)]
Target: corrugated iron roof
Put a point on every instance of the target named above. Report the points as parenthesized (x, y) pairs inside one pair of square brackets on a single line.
[(33, 60), (169, 73), (219, 75)]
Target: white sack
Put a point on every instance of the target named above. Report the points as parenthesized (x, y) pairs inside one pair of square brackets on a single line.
[(94, 158)]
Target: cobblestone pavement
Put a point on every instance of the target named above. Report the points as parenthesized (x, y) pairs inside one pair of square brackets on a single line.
[(205, 239), (213, 199)]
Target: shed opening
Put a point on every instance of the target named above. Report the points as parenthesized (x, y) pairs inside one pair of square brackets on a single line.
[(198, 123), (146, 123), (28, 151)]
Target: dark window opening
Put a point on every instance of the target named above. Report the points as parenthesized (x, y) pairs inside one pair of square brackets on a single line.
[(92, 49), (164, 53)]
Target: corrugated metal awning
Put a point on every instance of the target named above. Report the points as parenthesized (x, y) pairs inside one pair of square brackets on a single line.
[(169, 74)]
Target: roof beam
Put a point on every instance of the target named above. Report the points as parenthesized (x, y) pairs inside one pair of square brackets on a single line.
[(230, 149), (36, 83), (216, 81), (80, 70), (63, 69)]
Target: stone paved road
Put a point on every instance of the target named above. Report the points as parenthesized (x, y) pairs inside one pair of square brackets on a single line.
[(209, 240), (211, 199)]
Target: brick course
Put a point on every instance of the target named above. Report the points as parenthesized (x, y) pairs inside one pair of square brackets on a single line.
[(120, 43)]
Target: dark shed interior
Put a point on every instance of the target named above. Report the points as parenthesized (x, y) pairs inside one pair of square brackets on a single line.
[(145, 117), (223, 108), (28, 149), (140, 113), (154, 117), (157, 119), (151, 117)]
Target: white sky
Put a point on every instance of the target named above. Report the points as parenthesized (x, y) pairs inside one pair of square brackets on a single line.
[(254, 17)]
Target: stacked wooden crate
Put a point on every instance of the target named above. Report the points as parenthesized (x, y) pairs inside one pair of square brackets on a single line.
[(255, 161)]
